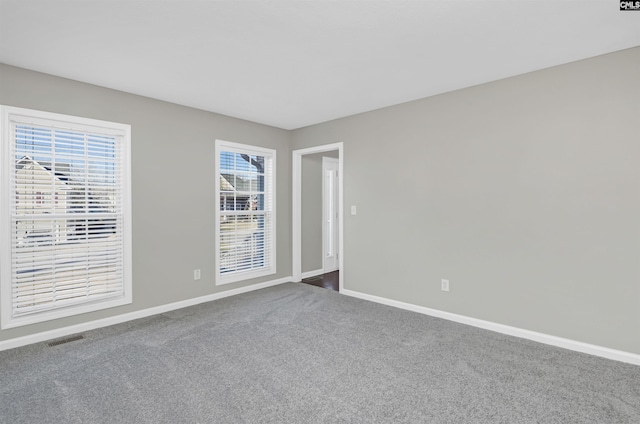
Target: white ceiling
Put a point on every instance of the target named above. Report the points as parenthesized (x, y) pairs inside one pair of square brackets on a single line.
[(293, 63)]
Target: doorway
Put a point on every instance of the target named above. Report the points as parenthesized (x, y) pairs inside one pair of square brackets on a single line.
[(332, 240)]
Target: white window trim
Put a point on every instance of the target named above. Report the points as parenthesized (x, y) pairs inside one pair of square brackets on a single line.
[(221, 145), (9, 114)]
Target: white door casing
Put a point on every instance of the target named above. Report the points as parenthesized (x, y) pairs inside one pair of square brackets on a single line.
[(296, 219)]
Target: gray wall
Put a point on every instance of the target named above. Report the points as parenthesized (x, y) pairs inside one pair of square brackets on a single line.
[(173, 179), (524, 193), (311, 209)]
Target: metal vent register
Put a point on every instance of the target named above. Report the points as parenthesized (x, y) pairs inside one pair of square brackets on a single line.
[(63, 341)]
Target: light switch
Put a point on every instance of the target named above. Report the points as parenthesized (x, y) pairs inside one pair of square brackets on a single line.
[(353, 210)]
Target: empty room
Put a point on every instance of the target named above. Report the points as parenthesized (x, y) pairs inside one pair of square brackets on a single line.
[(328, 211)]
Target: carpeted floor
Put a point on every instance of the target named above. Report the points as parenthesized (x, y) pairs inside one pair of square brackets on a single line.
[(295, 353)]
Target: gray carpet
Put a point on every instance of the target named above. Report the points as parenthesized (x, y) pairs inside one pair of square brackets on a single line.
[(295, 353)]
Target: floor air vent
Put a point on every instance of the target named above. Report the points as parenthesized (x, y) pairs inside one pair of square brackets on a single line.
[(63, 341)]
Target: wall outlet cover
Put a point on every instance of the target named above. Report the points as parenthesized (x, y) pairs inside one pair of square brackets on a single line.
[(444, 285)]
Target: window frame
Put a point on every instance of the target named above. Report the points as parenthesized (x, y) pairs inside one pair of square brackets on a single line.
[(10, 115), (270, 181)]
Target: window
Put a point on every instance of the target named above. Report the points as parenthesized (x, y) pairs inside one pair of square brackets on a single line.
[(245, 212), (64, 216)]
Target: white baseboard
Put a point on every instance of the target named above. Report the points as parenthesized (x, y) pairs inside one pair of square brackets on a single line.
[(603, 352), (313, 273), (92, 325)]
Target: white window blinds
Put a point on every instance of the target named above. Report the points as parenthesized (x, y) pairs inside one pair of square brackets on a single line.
[(245, 228), (68, 213)]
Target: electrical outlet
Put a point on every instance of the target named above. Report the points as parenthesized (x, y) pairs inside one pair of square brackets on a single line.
[(444, 285), (196, 274)]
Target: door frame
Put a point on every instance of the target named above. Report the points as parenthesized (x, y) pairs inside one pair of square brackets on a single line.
[(296, 215), (332, 163)]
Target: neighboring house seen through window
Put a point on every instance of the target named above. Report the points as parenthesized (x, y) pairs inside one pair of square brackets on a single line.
[(245, 212), (65, 211)]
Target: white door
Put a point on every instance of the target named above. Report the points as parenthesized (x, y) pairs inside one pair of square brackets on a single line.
[(330, 214)]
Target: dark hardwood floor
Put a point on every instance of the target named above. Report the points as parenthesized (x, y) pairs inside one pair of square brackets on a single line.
[(327, 281)]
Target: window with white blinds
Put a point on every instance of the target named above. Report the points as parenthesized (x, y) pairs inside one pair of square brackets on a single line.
[(245, 212), (65, 216)]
